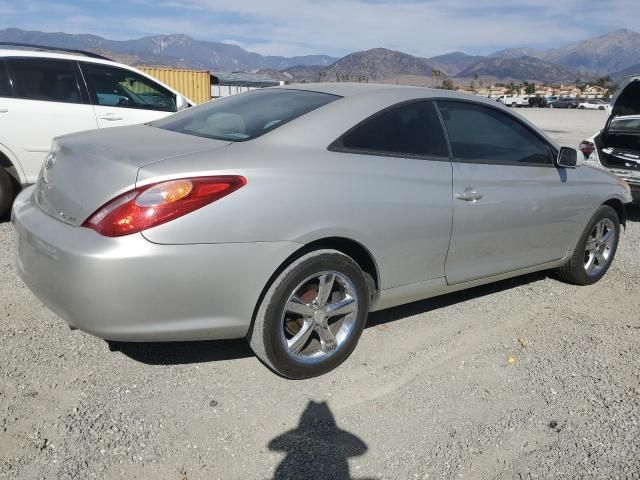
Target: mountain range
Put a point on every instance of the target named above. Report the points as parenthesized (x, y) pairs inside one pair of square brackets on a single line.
[(176, 50), (615, 54)]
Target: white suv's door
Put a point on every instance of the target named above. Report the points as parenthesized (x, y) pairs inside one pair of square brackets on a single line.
[(123, 97), (46, 101)]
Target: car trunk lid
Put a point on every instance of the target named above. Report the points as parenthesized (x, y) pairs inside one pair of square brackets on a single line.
[(619, 143), (91, 168)]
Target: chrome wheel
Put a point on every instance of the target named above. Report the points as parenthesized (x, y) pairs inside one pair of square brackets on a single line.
[(599, 247), (319, 317)]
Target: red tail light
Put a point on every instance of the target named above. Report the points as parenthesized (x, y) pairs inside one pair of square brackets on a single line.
[(156, 204), (586, 148)]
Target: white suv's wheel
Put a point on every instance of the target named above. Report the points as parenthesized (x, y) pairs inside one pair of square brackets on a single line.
[(6, 193)]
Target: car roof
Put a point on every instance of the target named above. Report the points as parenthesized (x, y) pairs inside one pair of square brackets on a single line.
[(364, 99), (39, 53), (400, 92)]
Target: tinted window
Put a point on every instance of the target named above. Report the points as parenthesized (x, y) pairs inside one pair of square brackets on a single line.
[(42, 79), (411, 129), (245, 116), (117, 87), (5, 85), (486, 134)]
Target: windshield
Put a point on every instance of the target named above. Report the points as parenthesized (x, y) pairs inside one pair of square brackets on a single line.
[(246, 116)]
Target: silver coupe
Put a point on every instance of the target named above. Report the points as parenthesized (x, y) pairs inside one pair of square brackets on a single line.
[(286, 215)]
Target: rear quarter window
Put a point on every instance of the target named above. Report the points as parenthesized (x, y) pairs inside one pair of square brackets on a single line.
[(408, 129)]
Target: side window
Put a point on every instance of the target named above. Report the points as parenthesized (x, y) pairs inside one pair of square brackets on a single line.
[(410, 129), (117, 87), (5, 85), (485, 134), (44, 79)]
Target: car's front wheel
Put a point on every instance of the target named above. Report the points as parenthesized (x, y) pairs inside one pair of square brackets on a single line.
[(595, 250), (312, 315)]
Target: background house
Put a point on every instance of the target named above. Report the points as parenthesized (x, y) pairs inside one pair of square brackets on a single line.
[(594, 91)]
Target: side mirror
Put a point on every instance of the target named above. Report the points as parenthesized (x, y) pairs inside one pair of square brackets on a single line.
[(181, 103), (567, 158)]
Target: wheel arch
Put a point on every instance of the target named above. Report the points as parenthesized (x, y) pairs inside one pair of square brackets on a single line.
[(357, 251), (620, 209), (8, 162)]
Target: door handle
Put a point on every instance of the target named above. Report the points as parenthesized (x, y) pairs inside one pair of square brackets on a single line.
[(3, 110), (110, 116), (469, 195)]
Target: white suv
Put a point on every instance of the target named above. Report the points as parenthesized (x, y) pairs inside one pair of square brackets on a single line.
[(46, 92)]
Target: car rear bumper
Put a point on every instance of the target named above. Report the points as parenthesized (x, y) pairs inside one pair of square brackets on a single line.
[(130, 289)]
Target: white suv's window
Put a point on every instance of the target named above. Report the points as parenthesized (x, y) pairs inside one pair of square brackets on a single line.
[(44, 79), (5, 85), (117, 87)]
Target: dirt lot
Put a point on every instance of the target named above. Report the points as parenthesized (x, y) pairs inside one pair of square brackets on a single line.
[(428, 393)]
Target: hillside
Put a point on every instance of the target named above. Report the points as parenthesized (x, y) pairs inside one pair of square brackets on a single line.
[(173, 50), (619, 76), (454, 62), (519, 69), (600, 55), (378, 64)]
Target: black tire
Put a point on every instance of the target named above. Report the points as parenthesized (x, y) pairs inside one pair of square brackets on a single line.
[(574, 270), (6, 193), (266, 336)]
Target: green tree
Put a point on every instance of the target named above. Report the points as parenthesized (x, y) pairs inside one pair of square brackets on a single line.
[(603, 81), (447, 84)]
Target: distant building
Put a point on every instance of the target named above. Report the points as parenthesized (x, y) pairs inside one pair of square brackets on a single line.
[(225, 84), (465, 90), (544, 91), (497, 92), (594, 91), (568, 91)]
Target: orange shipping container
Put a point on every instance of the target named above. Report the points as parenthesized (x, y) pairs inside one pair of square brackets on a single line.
[(193, 84)]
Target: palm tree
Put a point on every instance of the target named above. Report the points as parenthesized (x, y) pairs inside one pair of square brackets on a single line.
[(435, 75)]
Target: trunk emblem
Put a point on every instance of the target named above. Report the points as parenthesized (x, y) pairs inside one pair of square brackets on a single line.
[(50, 161)]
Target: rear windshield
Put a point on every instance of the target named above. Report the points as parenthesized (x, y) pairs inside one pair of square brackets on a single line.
[(245, 116)]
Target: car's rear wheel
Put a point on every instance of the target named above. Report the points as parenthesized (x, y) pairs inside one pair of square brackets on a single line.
[(595, 250), (312, 315), (6, 193)]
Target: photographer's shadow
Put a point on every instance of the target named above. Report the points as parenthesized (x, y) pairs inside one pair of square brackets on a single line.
[(317, 448)]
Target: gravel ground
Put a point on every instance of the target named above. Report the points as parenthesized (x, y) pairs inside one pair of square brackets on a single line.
[(428, 393)]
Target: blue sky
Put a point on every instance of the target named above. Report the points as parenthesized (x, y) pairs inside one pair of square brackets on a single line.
[(290, 27)]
